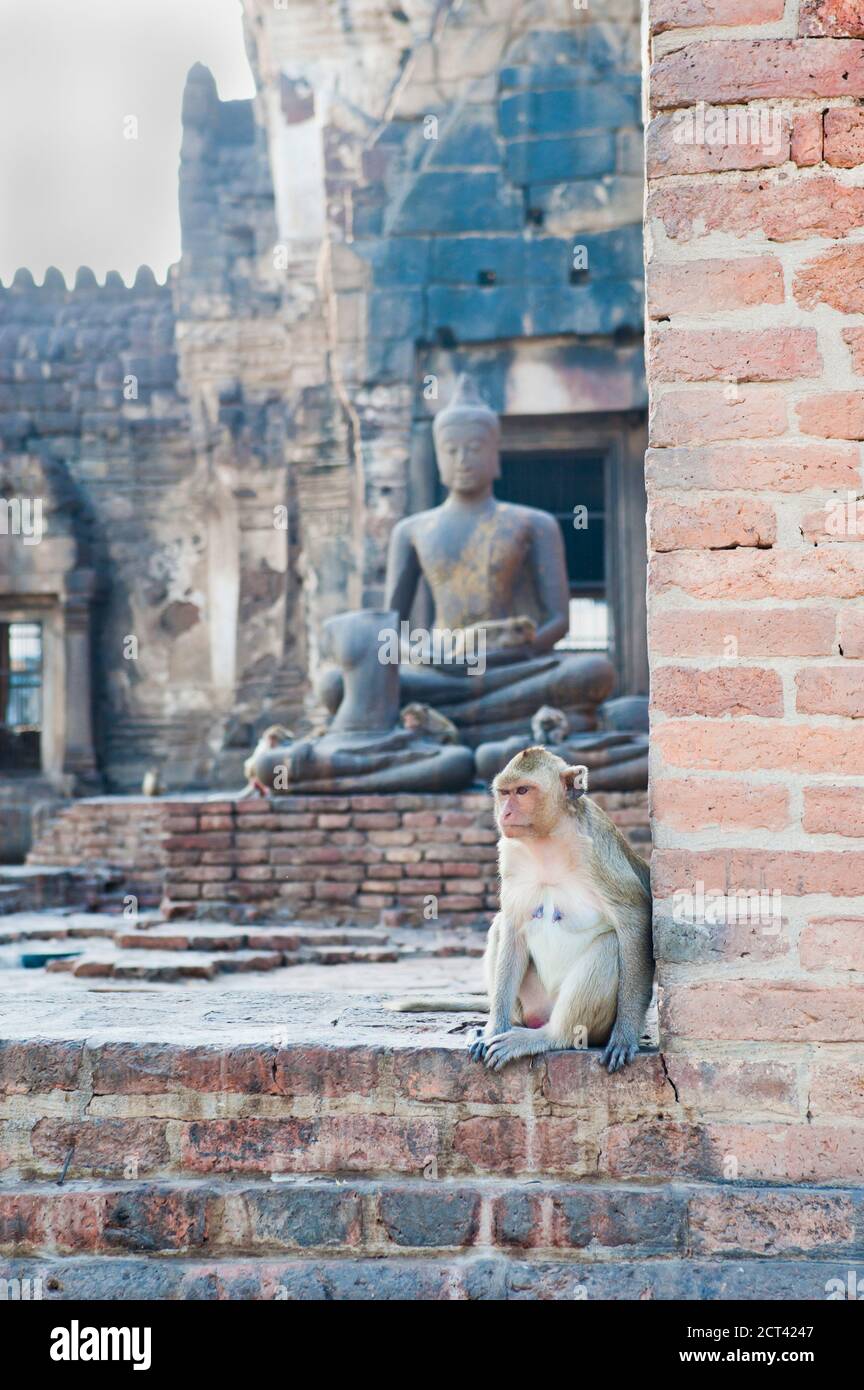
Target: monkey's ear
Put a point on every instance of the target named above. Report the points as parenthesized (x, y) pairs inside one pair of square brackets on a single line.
[(574, 781)]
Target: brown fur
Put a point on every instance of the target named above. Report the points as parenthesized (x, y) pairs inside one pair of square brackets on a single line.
[(572, 942), (550, 725)]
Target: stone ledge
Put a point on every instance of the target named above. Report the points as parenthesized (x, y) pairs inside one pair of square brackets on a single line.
[(248, 1084)]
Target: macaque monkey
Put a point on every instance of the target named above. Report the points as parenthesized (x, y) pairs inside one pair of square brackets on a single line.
[(550, 725), (423, 719), (271, 738), (502, 633), (569, 959), (152, 784)]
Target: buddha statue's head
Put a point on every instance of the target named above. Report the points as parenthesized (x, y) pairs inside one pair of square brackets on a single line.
[(467, 442)]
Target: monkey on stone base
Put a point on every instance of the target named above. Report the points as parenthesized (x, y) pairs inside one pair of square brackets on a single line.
[(502, 633), (550, 725), (271, 738), (569, 956), (423, 719)]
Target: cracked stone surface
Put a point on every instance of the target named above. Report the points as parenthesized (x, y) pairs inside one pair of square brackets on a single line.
[(222, 1017)]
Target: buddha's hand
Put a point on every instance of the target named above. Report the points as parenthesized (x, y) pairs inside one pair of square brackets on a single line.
[(509, 656)]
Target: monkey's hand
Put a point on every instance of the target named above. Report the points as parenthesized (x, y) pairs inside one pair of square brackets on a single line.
[(482, 1038), (621, 1048), (477, 1045)]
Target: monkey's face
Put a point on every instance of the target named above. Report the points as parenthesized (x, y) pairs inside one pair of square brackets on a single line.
[(535, 794), (527, 809)]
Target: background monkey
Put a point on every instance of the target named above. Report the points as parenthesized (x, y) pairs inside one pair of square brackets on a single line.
[(271, 738), (550, 725), (423, 719), (503, 633), (152, 784), (569, 959)]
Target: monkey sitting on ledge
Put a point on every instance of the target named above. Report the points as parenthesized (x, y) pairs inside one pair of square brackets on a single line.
[(569, 956), (568, 960)]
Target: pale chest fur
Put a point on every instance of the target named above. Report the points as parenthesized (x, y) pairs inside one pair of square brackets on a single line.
[(548, 897)]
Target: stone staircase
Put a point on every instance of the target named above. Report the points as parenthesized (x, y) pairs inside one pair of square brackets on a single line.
[(34, 887), (239, 1145), (107, 946)]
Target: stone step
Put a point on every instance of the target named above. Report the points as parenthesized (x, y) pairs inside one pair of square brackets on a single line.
[(37, 886), (99, 962), (111, 945), (12, 898), (475, 1277), (54, 926), (340, 955), (595, 1222), (251, 1082), (105, 959), (197, 937)]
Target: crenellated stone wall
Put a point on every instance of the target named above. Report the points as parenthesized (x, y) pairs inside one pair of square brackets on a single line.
[(403, 199), (155, 413)]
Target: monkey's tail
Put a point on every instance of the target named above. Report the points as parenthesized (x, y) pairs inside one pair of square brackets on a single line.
[(463, 1004)]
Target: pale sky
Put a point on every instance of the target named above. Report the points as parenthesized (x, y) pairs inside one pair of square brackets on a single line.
[(73, 190)]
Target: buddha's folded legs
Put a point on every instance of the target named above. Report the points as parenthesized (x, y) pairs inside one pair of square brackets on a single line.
[(572, 682), (434, 685), (394, 761)]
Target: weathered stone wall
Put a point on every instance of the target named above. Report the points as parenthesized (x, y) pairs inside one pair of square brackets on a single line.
[(450, 159), (157, 412), (125, 835), (757, 384), (402, 200)]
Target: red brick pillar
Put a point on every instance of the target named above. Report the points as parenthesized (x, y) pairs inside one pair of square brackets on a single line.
[(756, 593)]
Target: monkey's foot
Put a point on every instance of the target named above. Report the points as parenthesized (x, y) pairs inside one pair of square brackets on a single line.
[(516, 1042), (620, 1049)]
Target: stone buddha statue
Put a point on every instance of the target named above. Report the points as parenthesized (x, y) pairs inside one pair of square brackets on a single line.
[(366, 747), (498, 580), (496, 571)]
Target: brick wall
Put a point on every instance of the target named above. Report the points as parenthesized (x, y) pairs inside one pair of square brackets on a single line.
[(316, 858), (123, 834), (755, 258), (346, 858)]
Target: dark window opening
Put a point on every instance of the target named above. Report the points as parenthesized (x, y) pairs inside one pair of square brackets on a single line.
[(20, 696), (572, 487)]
